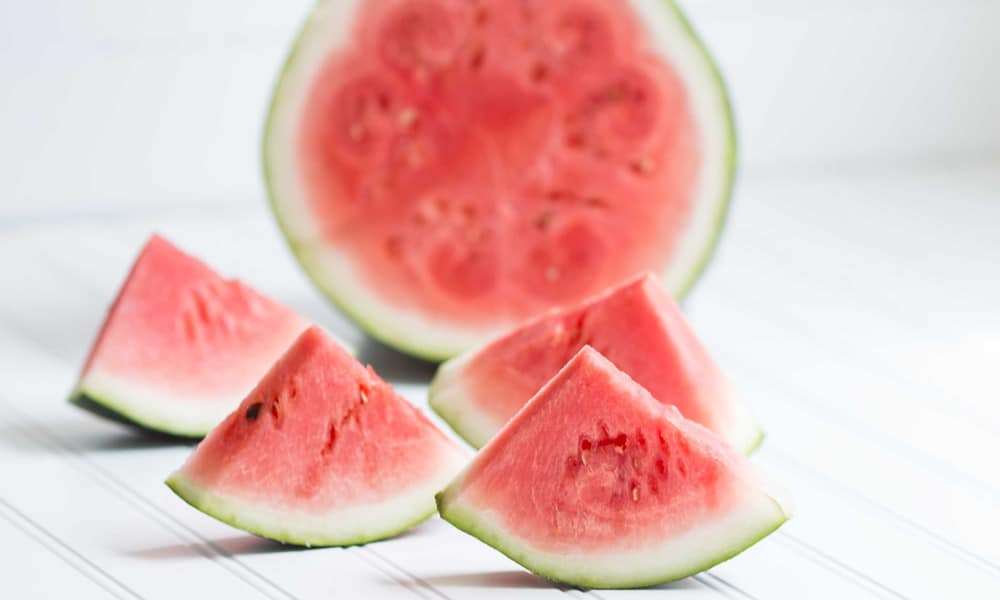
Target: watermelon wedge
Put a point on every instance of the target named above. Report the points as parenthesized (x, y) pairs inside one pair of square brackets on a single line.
[(636, 325), (445, 169), (321, 453), (596, 484), (181, 345)]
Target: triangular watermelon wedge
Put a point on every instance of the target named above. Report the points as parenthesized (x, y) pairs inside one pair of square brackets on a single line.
[(181, 345), (637, 326), (596, 484), (321, 453)]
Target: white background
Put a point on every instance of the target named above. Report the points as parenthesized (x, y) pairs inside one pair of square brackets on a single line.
[(854, 299)]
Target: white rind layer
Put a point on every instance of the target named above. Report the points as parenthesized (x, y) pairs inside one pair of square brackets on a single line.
[(448, 398), (701, 547), (327, 30), (184, 415), (342, 526)]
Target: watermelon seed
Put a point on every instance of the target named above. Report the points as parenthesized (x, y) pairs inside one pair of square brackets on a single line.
[(364, 395), (276, 409), (357, 132), (635, 492), (253, 411), (331, 439), (595, 202)]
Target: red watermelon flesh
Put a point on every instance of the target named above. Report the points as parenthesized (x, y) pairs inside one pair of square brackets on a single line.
[(181, 345), (322, 452), (447, 168), (636, 325), (596, 484)]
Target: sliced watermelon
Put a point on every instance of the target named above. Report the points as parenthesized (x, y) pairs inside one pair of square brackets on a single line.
[(444, 169), (637, 326), (321, 453), (181, 345), (596, 484)]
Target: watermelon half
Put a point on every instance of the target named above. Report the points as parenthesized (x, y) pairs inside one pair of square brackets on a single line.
[(321, 453), (636, 325), (596, 484), (181, 345), (444, 169)]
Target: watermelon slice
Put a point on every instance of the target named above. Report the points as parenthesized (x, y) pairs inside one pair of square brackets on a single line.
[(181, 345), (444, 169), (321, 453), (637, 326), (596, 484)]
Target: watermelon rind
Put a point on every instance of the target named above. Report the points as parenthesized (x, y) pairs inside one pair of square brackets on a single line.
[(692, 552), (447, 398), (347, 526), (144, 409), (437, 340)]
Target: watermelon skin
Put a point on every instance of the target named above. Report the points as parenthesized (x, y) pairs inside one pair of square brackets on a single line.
[(660, 498), (437, 337), (181, 345), (321, 453), (635, 325)]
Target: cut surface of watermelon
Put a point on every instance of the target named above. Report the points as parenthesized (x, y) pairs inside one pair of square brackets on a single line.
[(181, 345), (321, 453), (637, 326), (444, 169), (596, 484)]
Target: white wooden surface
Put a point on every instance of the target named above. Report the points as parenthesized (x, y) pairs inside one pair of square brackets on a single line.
[(857, 315), (854, 299)]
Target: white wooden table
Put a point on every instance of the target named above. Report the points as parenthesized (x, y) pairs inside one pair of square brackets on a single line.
[(858, 315), (854, 300)]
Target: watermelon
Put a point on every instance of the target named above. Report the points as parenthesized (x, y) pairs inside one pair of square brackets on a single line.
[(636, 325), (321, 453), (444, 169), (181, 345), (596, 484)]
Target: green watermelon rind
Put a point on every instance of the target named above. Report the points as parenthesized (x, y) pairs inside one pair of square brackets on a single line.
[(433, 349), (241, 516), (107, 406), (468, 521)]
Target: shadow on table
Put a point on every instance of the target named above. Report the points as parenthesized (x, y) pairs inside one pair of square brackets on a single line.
[(242, 545), (491, 579), (237, 545), (26, 436)]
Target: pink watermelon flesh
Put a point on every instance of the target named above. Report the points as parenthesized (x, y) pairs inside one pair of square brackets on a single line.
[(321, 452), (596, 484), (482, 161), (181, 345), (636, 325)]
